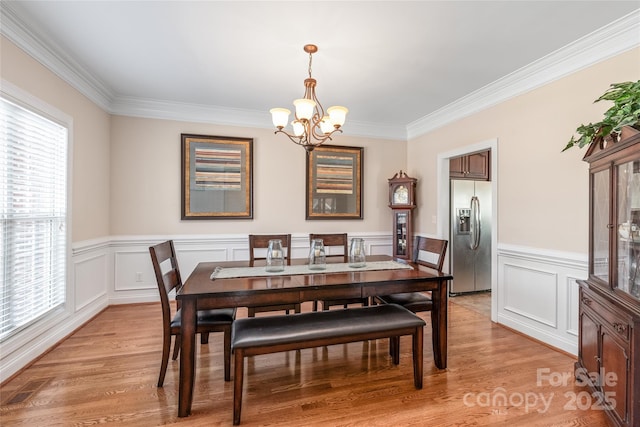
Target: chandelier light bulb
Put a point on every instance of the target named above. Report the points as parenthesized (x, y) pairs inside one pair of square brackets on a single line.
[(298, 128), (304, 108), (326, 126), (337, 115), (280, 117)]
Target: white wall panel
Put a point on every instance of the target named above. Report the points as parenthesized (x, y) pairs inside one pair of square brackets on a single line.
[(572, 305), (133, 271), (537, 293), (91, 276), (531, 293)]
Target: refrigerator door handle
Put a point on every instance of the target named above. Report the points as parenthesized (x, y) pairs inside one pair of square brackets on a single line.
[(474, 226)]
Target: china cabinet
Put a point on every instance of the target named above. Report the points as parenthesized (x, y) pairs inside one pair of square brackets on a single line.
[(402, 189), (609, 302)]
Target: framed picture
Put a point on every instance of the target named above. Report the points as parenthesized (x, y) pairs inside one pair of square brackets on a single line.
[(217, 177), (334, 182)]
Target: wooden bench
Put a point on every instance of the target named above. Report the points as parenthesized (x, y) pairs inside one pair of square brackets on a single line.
[(273, 334)]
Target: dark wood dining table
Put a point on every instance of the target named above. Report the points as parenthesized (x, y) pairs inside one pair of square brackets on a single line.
[(201, 292)]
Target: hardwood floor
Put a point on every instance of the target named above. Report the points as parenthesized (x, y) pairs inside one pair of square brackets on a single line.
[(479, 302), (107, 372)]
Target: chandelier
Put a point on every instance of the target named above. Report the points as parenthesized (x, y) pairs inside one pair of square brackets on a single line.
[(311, 126)]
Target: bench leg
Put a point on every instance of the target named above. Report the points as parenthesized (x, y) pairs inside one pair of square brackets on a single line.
[(418, 338), (238, 376)]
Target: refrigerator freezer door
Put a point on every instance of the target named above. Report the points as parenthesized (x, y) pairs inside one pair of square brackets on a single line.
[(462, 257)]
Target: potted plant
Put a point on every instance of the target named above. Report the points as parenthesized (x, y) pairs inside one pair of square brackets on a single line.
[(623, 117)]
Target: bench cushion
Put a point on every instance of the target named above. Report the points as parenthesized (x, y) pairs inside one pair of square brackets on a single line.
[(273, 330)]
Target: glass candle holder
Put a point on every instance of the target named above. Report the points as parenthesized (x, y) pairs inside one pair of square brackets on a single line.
[(356, 253), (317, 256), (275, 256)]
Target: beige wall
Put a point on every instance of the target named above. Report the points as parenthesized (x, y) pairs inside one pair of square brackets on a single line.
[(90, 168), (126, 171), (145, 181), (542, 193)]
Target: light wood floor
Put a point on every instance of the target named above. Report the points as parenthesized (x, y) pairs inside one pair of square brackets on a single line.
[(107, 372)]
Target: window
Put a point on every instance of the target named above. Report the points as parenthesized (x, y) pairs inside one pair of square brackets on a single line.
[(33, 216)]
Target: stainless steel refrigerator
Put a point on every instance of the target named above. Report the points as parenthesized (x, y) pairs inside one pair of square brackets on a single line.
[(470, 241)]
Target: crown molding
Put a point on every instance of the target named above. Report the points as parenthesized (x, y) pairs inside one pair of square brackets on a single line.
[(606, 42), (610, 40), (52, 56), (198, 113)]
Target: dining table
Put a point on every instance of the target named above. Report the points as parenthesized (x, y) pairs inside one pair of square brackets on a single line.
[(207, 287)]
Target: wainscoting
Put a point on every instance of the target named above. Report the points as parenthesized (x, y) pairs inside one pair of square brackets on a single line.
[(538, 294), (535, 291)]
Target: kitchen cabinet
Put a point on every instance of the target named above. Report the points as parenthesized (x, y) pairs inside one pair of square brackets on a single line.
[(609, 302), (471, 166)]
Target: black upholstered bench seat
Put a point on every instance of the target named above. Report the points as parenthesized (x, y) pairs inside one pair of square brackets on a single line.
[(272, 334)]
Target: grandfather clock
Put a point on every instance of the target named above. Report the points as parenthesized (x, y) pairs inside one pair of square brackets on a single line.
[(402, 191)]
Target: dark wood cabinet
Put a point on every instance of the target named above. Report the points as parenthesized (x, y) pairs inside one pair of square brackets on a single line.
[(609, 306), (402, 229), (402, 199), (474, 166)]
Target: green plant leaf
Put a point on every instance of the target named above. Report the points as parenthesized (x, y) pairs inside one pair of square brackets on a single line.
[(624, 112)]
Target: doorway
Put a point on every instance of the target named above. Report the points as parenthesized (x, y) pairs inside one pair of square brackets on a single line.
[(443, 222)]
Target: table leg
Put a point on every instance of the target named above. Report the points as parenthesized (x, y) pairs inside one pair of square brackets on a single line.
[(187, 357), (439, 324)]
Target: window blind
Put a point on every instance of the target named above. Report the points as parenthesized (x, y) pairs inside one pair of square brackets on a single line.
[(33, 215)]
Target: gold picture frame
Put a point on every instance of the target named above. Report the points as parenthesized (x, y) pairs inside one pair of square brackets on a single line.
[(334, 182), (217, 177)]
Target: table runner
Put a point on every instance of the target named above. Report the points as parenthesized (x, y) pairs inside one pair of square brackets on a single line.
[(233, 272)]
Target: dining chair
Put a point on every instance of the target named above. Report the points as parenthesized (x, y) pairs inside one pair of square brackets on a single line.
[(340, 242), (430, 253), (258, 243), (165, 266)]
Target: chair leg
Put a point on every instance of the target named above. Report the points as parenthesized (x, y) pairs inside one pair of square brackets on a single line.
[(251, 312), (238, 374), (227, 353), (391, 346), (166, 347), (298, 308), (176, 347), (418, 342), (204, 338), (315, 305), (396, 350)]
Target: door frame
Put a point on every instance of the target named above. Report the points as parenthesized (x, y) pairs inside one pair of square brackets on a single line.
[(443, 224)]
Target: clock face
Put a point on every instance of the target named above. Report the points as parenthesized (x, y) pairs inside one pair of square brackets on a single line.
[(401, 195)]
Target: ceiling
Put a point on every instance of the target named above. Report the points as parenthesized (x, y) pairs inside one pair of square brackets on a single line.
[(392, 63)]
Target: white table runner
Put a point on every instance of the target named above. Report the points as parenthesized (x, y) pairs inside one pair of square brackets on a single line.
[(233, 272)]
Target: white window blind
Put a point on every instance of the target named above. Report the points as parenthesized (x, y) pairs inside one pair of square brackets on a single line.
[(33, 215)]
